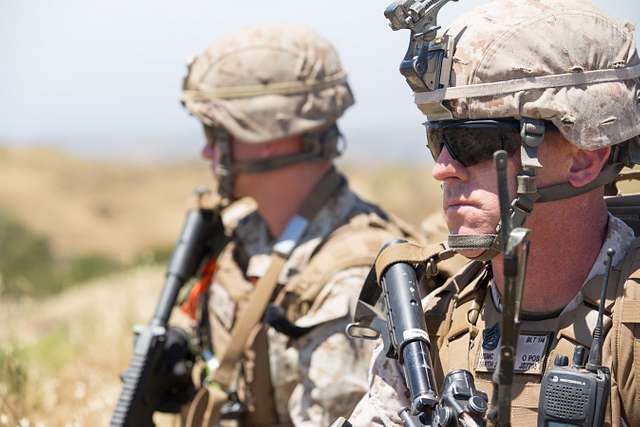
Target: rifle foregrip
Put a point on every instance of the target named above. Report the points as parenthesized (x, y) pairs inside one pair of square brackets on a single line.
[(125, 413), (408, 333)]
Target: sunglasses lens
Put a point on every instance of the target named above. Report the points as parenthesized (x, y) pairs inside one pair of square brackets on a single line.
[(471, 145)]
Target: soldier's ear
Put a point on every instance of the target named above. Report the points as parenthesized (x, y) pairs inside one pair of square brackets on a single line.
[(586, 165)]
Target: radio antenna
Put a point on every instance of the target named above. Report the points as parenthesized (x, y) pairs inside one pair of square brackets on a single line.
[(595, 354)]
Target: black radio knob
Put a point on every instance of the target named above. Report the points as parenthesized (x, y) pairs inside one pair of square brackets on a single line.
[(561, 360)]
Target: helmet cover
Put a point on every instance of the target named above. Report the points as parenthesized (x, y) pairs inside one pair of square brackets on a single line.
[(268, 82), (508, 40)]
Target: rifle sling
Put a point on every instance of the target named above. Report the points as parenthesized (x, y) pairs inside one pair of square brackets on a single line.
[(266, 285)]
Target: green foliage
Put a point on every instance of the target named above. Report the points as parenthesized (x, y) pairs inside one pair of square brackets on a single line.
[(52, 351), (13, 372), (87, 267), (26, 260), (28, 265), (154, 255)]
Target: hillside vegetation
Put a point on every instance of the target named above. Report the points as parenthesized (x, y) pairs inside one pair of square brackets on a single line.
[(64, 221)]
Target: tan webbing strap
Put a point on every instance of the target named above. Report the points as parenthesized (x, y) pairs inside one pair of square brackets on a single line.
[(619, 348), (254, 309), (411, 253), (225, 373), (352, 245), (278, 88), (529, 83)]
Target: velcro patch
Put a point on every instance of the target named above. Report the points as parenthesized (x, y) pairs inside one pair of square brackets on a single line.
[(630, 311), (530, 357)]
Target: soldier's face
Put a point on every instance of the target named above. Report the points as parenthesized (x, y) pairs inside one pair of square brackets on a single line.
[(470, 199), (469, 194)]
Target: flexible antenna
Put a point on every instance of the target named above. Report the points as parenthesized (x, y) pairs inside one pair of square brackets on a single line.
[(595, 354)]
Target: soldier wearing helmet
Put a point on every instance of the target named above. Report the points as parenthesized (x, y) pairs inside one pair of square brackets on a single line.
[(555, 84), (269, 98)]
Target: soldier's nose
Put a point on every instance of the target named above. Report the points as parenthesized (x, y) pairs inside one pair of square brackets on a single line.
[(447, 167)]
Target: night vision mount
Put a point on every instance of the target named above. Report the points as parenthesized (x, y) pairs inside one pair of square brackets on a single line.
[(427, 64)]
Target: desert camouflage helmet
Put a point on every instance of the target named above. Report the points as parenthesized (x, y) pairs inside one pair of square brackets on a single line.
[(536, 61), (566, 62), (268, 82)]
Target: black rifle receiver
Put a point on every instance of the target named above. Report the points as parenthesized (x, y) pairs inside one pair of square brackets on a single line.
[(144, 387), (577, 395)]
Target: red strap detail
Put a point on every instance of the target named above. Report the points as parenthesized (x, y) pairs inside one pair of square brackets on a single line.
[(190, 306)]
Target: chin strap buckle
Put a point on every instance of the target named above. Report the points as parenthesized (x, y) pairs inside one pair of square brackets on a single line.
[(532, 134)]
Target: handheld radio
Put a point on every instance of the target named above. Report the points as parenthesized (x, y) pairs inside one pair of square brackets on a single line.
[(577, 395)]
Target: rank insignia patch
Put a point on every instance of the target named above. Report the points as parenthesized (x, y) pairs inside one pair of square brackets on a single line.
[(491, 337)]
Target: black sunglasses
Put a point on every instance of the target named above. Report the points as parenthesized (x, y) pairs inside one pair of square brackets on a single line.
[(473, 141)]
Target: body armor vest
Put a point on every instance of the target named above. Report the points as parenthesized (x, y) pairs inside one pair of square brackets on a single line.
[(354, 244), (464, 321)]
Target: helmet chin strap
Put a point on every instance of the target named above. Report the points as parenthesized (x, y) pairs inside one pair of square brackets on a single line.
[(532, 134), (316, 146)]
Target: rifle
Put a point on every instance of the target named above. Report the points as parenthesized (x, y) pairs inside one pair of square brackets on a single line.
[(407, 340), (159, 374), (402, 326)]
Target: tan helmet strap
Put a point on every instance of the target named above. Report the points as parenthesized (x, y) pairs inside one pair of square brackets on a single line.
[(278, 88), (316, 146), (566, 190), (529, 83)]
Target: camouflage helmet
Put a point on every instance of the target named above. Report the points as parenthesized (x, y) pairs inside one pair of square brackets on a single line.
[(536, 61), (566, 62), (268, 82)]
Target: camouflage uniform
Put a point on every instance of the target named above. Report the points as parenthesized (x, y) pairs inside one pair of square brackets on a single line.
[(455, 350), (533, 61), (321, 375)]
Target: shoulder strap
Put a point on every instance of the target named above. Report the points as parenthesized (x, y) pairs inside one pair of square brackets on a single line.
[(354, 244), (625, 311), (351, 245), (254, 309)]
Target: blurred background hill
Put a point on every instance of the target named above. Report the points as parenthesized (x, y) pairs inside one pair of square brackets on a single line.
[(82, 250), (98, 160)]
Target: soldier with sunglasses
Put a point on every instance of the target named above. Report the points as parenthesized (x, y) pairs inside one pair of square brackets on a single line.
[(556, 85)]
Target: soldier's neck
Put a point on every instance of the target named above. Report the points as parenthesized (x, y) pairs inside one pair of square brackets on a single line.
[(566, 237), (280, 200)]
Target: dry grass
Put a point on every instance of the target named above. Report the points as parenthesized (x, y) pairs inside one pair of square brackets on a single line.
[(89, 207), (92, 207), (72, 347)]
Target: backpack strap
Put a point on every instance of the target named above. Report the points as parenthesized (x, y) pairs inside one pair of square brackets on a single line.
[(625, 343), (352, 245), (266, 285)]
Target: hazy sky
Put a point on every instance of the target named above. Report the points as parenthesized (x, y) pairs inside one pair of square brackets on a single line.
[(102, 77)]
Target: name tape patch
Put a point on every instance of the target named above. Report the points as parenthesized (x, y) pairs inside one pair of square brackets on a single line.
[(530, 356)]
